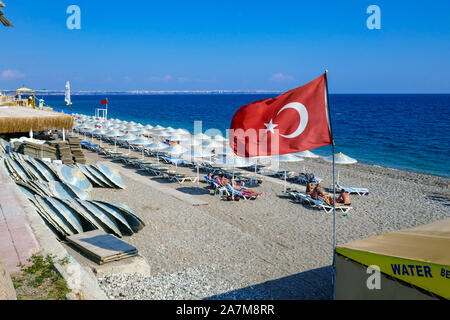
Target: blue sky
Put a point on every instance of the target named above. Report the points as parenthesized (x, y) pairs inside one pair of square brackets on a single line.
[(242, 45)]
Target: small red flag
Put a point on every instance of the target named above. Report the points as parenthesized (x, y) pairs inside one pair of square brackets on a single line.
[(295, 121), (104, 101)]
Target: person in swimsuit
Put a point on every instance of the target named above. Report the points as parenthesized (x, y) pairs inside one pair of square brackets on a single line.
[(240, 188)]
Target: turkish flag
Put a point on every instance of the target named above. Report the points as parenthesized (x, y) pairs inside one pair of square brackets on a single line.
[(295, 121), (104, 101)]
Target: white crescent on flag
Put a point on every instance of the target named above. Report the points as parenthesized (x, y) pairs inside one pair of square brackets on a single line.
[(302, 112)]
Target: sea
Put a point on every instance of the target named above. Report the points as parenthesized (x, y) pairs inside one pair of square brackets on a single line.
[(401, 131)]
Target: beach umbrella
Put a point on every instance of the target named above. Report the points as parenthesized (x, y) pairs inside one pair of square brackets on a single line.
[(306, 154), (140, 142), (148, 126), (177, 137), (219, 138), (141, 132), (158, 147), (115, 134), (340, 158), (127, 137), (196, 153), (201, 136), (158, 128), (287, 158), (181, 132), (190, 142), (175, 150), (232, 162), (212, 145), (132, 129), (161, 134)]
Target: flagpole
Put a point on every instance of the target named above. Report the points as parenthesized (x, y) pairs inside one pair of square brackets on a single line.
[(334, 186)]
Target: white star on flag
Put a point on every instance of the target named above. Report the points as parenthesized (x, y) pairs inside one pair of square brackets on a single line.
[(270, 126)]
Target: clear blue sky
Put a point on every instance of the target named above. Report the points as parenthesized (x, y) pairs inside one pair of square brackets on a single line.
[(248, 45)]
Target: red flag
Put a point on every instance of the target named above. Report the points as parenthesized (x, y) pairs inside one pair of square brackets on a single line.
[(294, 121), (104, 101)]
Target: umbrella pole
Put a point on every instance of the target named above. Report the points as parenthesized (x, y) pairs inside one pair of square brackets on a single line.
[(198, 174)]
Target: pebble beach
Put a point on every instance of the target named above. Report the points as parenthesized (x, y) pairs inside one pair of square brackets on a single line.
[(268, 248)]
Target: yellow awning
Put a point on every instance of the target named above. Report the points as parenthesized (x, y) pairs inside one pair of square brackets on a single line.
[(419, 255), (24, 89)]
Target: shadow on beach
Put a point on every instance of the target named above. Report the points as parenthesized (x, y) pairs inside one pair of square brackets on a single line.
[(313, 284), (194, 190)]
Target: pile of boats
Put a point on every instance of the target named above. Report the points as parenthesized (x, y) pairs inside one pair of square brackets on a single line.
[(60, 194)]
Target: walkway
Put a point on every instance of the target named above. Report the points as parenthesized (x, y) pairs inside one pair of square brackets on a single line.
[(17, 241)]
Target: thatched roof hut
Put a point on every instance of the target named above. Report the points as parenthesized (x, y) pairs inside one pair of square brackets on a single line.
[(20, 119)]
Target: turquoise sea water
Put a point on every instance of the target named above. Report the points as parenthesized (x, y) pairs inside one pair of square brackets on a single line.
[(401, 131)]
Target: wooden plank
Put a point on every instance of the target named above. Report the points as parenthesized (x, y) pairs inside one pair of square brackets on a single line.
[(102, 247)]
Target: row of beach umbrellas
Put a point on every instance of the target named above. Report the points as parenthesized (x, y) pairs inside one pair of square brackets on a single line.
[(188, 147)]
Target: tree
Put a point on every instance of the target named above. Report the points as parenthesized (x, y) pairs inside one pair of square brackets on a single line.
[(3, 19)]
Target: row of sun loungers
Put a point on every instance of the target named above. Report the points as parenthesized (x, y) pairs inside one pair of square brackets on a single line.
[(154, 169)]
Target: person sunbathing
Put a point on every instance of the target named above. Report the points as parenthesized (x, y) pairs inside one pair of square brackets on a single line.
[(241, 188), (309, 188), (318, 192), (343, 199)]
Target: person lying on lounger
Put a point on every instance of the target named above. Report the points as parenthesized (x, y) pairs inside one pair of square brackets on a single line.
[(343, 199), (319, 194), (240, 188), (222, 181)]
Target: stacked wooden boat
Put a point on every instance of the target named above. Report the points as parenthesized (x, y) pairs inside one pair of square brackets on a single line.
[(60, 194)]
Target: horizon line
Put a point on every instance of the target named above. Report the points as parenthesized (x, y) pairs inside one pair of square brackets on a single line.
[(213, 91)]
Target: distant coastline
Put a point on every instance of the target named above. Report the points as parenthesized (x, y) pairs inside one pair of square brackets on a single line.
[(44, 92), (148, 92)]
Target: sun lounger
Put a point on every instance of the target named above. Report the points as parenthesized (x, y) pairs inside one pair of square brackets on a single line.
[(180, 178), (359, 191), (301, 178), (326, 207), (218, 188), (243, 194), (156, 170), (250, 181), (301, 197)]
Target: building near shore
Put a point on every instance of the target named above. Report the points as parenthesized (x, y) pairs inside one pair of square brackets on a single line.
[(414, 264)]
